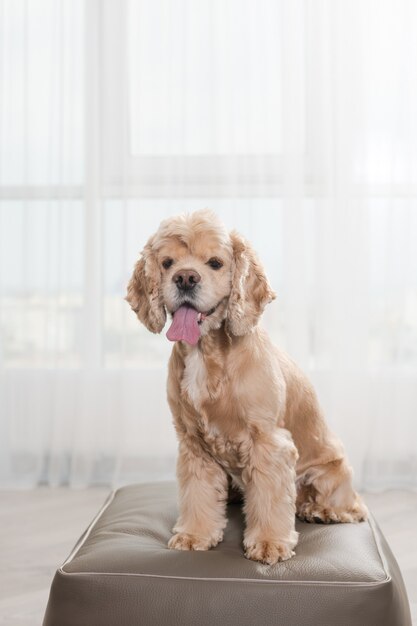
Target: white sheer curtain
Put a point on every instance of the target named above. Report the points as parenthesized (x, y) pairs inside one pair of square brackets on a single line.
[(294, 120)]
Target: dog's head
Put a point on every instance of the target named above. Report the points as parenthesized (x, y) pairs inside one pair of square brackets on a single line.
[(195, 270)]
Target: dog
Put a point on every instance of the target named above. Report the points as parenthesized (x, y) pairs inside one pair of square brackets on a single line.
[(247, 419)]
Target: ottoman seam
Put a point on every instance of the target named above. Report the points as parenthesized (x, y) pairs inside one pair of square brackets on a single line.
[(330, 583), (375, 534), (89, 528)]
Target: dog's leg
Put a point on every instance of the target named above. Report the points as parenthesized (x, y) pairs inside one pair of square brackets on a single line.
[(269, 481), (325, 494), (324, 478), (202, 499)]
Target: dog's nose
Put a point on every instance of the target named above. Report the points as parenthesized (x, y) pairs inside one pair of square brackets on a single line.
[(186, 279)]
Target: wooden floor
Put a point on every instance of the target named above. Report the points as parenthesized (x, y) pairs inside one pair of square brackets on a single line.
[(38, 529)]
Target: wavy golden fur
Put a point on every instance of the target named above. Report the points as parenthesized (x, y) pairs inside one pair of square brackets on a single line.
[(247, 419)]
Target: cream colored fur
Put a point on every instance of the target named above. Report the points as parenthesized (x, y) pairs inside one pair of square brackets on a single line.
[(246, 417)]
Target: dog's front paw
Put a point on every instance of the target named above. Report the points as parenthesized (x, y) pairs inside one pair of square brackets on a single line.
[(269, 552), (186, 541)]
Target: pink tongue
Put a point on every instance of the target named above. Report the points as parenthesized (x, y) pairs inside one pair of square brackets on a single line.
[(184, 326)]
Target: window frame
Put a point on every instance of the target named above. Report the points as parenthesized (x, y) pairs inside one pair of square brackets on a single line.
[(124, 175)]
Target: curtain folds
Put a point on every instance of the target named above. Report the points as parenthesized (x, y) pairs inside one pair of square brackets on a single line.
[(295, 121)]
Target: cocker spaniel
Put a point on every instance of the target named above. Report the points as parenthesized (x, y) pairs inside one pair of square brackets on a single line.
[(247, 418)]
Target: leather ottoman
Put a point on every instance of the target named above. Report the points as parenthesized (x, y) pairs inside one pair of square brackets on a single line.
[(121, 573)]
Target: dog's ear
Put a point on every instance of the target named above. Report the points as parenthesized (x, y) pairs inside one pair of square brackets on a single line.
[(144, 291), (250, 291)]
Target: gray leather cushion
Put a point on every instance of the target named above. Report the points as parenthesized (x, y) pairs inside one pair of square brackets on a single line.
[(122, 573)]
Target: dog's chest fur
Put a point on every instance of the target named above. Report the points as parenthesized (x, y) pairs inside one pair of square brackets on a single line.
[(194, 382), (221, 438)]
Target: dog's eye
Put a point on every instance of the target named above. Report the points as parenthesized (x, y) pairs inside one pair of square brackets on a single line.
[(166, 263), (214, 263)]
